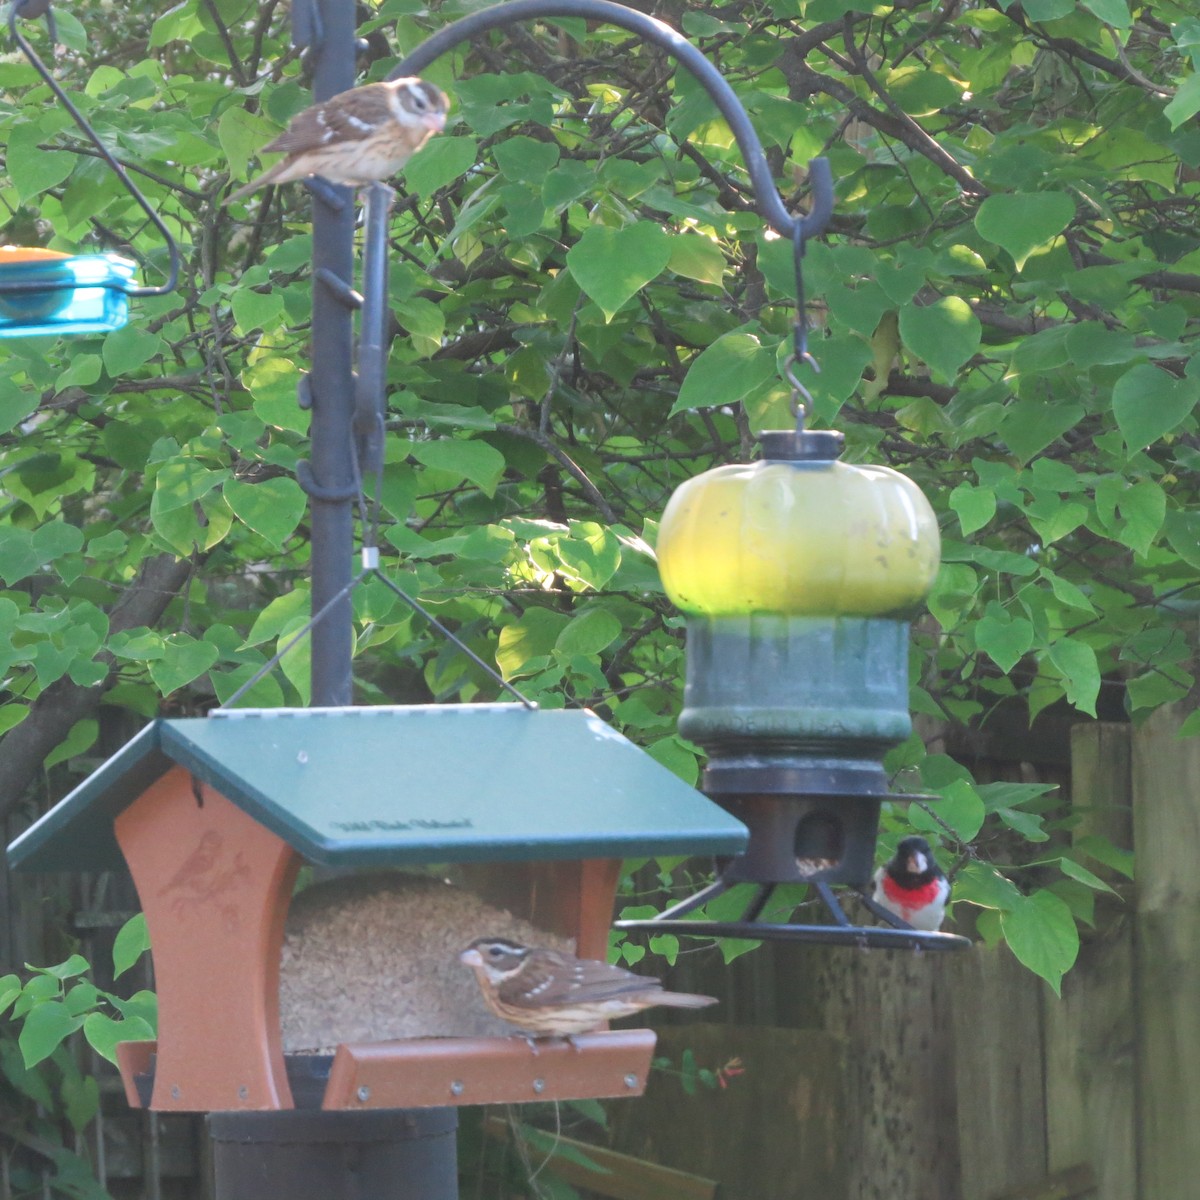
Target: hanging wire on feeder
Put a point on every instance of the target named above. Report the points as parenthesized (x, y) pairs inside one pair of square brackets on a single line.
[(801, 398), (369, 524)]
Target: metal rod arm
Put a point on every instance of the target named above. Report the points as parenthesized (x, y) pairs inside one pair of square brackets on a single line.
[(38, 8), (767, 199)]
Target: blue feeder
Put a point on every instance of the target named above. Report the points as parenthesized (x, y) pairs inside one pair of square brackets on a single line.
[(48, 292), (45, 292)]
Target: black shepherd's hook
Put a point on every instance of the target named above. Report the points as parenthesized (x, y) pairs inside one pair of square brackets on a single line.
[(767, 198), (41, 8)]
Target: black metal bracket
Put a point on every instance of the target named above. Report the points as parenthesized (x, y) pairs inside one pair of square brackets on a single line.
[(767, 199), (894, 935), (41, 8)]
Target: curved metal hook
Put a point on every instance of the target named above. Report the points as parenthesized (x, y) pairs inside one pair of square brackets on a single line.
[(40, 8), (768, 201)]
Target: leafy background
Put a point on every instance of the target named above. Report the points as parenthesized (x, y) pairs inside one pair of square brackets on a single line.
[(589, 310)]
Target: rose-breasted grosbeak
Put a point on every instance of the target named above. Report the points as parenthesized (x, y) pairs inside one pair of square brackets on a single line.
[(548, 994), (359, 136), (913, 886)]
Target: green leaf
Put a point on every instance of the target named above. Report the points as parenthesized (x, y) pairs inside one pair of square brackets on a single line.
[(980, 884), (31, 169), (81, 1100), (1148, 402), (725, 372), (1041, 933), (524, 159), (68, 969), (1029, 426), (1076, 661), (16, 404), (81, 738), (696, 257), (975, 506), (183, 660), (612, 265), (944, 334), (588, 633), (128, 348), (958, 805), (1003, 637), (472, 459), (1073, 869), (104, 1033), (256, 310), (47, 1025), (272, 508), (84, 370), (678, 757), (1185, 104), (1111, 12), (527, 640), (440, 161), (281, 612), (131, 942), (1021, 222), (1103, 851), (242, 134)]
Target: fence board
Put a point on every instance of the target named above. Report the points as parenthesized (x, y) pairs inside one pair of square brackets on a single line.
[(999, 1071), (1166, 796), (1091, 1039)]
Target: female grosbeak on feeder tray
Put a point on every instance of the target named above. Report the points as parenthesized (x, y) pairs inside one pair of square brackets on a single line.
[(548, 994), (912, 886), (360, 136)]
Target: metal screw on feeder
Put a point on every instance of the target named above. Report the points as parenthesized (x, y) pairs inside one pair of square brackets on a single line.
[(48, 292)]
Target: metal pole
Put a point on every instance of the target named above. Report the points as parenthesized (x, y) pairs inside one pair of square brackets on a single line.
[(387, 1154), (332, 486), (392, 1154)]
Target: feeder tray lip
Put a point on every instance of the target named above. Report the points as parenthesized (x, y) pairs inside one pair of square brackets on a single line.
[(45, 292), (869, 936)]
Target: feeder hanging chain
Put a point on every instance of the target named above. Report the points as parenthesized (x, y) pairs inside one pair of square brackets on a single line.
[(801, 397)]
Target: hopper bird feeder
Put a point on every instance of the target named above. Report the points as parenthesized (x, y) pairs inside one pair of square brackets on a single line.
[(49, 292), (214, 817), (798, 575)]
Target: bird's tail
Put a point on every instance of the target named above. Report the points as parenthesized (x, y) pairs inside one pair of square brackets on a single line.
[(683, 1000), (268, 176)]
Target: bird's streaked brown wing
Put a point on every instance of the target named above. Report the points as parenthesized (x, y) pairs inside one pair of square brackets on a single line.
[(336, 121), (549, 980)]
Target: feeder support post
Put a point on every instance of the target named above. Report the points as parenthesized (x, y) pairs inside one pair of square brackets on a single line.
[(331, 482)]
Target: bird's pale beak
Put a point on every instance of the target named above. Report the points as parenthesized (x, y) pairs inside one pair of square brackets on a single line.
[(917, 864), (471, 958), (435, 122)]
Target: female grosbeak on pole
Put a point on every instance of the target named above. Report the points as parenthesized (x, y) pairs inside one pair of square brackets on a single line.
[(549, 994), (360, 136)]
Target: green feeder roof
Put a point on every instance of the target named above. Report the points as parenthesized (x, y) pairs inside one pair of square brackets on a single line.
[(395, 786)]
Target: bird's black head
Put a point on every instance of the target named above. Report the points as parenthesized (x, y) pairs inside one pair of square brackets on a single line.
[(914, 862)]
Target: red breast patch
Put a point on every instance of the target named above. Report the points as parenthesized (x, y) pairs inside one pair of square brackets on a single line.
[(912, 898)]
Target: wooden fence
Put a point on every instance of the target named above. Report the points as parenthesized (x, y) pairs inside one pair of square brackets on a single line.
[(873, 1075)]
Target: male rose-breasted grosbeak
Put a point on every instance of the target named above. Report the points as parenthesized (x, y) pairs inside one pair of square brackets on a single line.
[(913, 886), (359, 136), (549, 994)]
